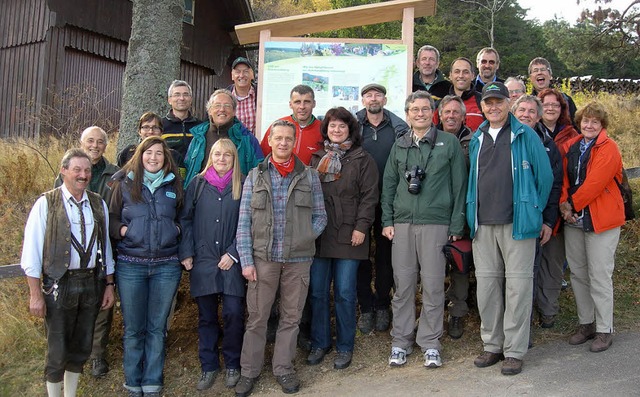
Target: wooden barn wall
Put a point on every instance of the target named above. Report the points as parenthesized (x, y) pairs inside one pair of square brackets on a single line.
[(111, 18), (203, 82), (23, 22), (20, 89), (91, 91), (206, 42)]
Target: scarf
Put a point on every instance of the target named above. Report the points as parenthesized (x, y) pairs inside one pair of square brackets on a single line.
[(219, 182), (330, 165), (284, 168), (153, 180)]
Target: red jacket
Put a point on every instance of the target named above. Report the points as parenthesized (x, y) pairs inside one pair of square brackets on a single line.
[(308, 140), (599, 190)]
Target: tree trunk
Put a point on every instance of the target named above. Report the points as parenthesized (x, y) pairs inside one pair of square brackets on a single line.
[(153, 62)]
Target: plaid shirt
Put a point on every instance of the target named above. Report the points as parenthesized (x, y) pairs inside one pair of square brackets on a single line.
[(279, 187), (246, 110)]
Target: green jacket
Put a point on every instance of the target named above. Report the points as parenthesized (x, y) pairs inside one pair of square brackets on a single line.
[(441, 200)]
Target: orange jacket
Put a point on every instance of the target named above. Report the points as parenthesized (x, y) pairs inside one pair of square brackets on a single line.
[(599, 190)]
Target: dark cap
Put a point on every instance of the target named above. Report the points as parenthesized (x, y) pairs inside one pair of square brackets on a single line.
[(373, 86), (495, 90), (240, 60)]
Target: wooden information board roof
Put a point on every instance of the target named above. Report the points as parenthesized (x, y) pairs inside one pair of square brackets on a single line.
[(368, 14)]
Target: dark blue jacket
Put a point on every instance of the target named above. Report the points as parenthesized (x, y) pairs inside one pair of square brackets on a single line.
[(209, 220), (152, 224)]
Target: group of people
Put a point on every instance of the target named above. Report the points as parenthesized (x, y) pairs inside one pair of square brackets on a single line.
[(364, 203)]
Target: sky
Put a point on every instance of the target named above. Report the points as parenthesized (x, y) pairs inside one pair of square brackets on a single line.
[(544, 10)]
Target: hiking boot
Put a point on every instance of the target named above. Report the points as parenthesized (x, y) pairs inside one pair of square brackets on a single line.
[(398, 356), (456, 327), (289, 382), (231, 378), (366, 323), (601, 342), (511, 366), (99, 367), (383, 319), (134, 394), (304, 342), (317, 355), (487, 359), (547, 321), (432, 358), (342, 360), (207, 379), (583, 334), (151, 394), (244, 386)]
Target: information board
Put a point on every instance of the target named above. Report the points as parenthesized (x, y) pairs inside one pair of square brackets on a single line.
[(336, 71)]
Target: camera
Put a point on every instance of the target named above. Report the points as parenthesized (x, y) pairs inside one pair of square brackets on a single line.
[(415, 178)]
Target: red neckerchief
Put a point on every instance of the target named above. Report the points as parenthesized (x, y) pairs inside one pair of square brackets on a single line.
[(284, 168)]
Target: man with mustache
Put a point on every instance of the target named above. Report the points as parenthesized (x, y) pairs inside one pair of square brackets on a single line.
[(93, 142), (69, 265)]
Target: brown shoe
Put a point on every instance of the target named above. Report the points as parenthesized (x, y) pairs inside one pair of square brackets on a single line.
[(487, 359), (511, 366), (583, 334), (601, 342)]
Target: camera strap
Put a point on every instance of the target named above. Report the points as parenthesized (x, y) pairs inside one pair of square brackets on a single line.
[(433, 145)]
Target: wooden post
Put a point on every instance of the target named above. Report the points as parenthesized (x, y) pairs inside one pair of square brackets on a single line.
[(407, 39), (265, 35)]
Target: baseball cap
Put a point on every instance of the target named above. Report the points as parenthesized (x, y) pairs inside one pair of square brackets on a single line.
[(373, 86), (495, 90), (240, 60)]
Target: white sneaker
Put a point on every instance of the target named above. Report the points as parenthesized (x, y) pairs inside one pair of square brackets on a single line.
[(432, 358), (398, 356)]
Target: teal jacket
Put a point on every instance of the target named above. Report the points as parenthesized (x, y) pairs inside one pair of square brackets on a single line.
[(441, 199), (249, 152), (532, 179)]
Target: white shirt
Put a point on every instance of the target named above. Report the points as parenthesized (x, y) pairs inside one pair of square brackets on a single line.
[(34, 232)]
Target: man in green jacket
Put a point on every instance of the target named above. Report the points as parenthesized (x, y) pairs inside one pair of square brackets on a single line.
[(423, 195)]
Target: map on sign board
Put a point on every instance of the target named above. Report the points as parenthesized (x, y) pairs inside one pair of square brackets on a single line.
[(336, 72)]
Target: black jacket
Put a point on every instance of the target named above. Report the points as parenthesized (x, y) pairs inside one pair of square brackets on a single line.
[(551, 212), (439, 88)]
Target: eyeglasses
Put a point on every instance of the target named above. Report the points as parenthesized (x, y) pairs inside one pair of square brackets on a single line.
[(147, 128), (419, 110), (488, 61), (245, 72), (539, 70), (515, 92), (181, 95), (225, 106), (551, 105)]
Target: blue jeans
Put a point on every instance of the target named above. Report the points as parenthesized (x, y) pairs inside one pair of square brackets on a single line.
[(209, 330), (344, 273), (146, 293)]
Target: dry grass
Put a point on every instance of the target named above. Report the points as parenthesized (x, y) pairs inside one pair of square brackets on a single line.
[(24, 175)]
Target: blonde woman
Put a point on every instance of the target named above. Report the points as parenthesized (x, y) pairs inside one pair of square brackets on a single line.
[(208, 249)]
